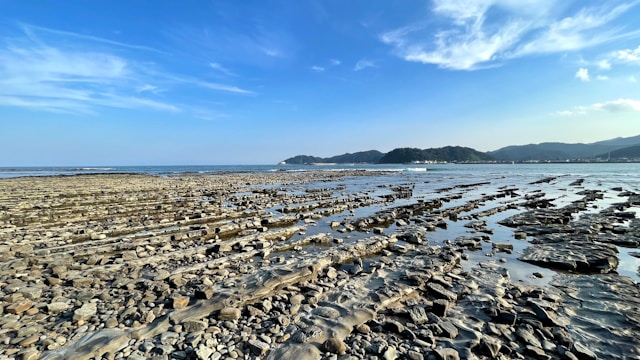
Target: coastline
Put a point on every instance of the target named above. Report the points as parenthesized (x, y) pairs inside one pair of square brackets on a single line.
[(342, 262)]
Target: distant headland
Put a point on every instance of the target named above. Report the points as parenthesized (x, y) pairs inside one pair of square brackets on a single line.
[(618, 149)]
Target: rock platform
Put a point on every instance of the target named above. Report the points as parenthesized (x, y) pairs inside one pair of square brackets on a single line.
[(314, 265)]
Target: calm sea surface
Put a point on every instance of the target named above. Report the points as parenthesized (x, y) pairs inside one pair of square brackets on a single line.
[(587, 169)]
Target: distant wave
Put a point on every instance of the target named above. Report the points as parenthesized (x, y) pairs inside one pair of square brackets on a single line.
[(287, 170)]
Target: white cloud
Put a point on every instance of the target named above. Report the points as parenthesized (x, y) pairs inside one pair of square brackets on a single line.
[(576, 31), (602, 77), (604, 64), (583, 74), (64, 72), (223, 87), (619, 57), (271, 52), (613, 106), (565, 113), (221, 69), (147, 87), (629, 55), (363, 64), (332, 62), (620, 105), (632, 79), (31, 30), (483, 33)]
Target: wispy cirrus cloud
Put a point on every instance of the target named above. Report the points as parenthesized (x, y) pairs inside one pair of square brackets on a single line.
[(58, 71), (254, 45), (484, 33), (613, 106), (147, 87), (32, 31), (221, 69), (223, 87), (322, 68)]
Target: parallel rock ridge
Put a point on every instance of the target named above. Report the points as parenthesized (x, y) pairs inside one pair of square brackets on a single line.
[(327, 264)]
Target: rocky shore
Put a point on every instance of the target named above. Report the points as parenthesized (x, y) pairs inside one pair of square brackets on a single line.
[(334, 264)]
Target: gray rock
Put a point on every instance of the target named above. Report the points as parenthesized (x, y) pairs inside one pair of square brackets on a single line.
[(57, 307), (440, 307), (390, 354), (257, 347), (526, 335), (440, 292), (85, 312), (327, 312), (418, 315), (536, 352), (502, 247), (229, 313), (191, 325), (334, 346), (414, 355), (447, 354), (448, 329), (582, 352), (490, 347)]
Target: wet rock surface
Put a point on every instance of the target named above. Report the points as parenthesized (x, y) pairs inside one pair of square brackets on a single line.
[(340, 264)]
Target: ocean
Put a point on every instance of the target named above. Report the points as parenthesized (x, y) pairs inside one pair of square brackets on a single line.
[(618, 170)]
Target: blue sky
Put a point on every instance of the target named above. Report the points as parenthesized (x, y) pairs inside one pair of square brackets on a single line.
[(254, 82)]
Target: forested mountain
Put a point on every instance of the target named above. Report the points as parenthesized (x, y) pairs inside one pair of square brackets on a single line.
[(617, 148), (447, 153), (630, 152), (561, 151), (362, 157), (402, 155)]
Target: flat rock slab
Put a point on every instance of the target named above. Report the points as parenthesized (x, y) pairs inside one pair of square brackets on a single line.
[(604, 311), (582, 257)]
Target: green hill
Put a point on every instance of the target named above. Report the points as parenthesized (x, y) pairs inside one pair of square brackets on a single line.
[(630, 152), (370, 157), (560, 151), (362, 157), (303, 160), (447, 153), (618, 148), (396, 156)]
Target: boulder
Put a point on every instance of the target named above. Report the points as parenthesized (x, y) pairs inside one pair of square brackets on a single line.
[(334, 346), (180, 302), (85, 312), (229, 313)]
